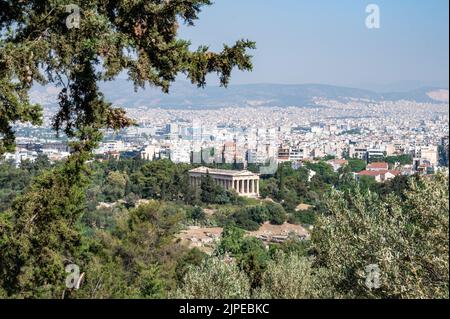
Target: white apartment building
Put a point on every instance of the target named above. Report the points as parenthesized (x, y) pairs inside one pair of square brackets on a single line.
[(428, 153)]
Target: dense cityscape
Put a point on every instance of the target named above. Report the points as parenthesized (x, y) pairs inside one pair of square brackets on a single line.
[(365, 130)]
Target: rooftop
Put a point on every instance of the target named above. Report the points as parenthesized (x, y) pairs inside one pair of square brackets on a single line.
[(378, 165), (338, 161)]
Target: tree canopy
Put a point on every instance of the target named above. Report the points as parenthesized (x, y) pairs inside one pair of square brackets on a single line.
[(137, 37), (40, 234)]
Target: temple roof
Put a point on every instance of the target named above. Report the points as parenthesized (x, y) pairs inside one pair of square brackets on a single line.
[(223, 172)]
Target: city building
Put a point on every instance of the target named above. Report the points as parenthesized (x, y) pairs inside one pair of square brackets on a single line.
[(429, 153)]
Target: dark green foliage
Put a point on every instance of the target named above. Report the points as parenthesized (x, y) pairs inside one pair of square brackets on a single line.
[(162, 180), (15, 180), (401, 159), (292, 246), (232, 239), (276, 213), (398, 185), (307, 217), (14, 106), (252, 217), (193, 257), (269, 188), (102, 218), (291, 187), (39, 234), (140, 254), (290, 200), (134, 179), (356, 165), (209, 190), (250, 252), (196, 214), (253, 260), (243, 219), (211, 193), (324, 172), (367, 182), (362, 228)]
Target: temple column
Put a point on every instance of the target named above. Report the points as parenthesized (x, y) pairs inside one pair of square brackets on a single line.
[(250, 189)]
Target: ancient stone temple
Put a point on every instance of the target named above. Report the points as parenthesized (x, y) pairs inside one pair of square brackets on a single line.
[(245, 183)]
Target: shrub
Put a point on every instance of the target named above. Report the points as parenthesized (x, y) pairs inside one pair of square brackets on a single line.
[(214, 279), (276, 212)]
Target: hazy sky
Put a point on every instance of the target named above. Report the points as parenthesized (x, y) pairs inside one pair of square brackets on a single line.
[(326, 41)]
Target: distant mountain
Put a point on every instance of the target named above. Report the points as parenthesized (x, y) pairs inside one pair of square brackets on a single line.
[(402, 86), (185, 95)]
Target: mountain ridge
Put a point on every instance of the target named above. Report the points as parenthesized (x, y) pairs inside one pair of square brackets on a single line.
[(184, 95)]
